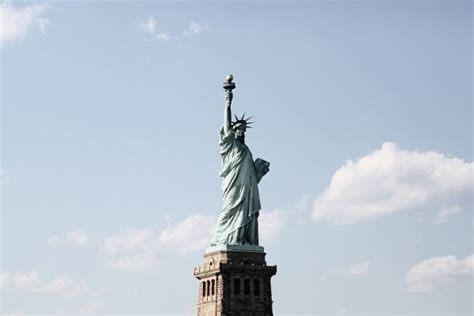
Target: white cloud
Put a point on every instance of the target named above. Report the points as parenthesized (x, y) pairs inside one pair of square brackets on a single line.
[(192, 234), (163, 36), (438, 271), (93, 307), (4, 276), (150, 27), (60, 285), (194, 29), (78, 237), (43, 25), (271, 224), (141, 249), (4, 177), (447, 212), (65, 286), (15, 313), (56, 241), (135, 250), (391, 180), (15, 23), (131, 250), (75, 238), (356, 269)]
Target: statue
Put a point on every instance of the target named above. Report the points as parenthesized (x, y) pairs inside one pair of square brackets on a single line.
[(238, 221)]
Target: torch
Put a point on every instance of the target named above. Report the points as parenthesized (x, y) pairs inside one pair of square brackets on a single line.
[(228, 86)]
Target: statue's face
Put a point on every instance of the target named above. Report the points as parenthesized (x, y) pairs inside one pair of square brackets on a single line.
[(239, 131)]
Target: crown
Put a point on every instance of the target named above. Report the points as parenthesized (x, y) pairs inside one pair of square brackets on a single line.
[(242, 120)]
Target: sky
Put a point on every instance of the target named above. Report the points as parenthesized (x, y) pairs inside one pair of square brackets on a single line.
[(110, 113)]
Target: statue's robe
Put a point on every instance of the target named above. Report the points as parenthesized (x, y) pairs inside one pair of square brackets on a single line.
[(237, 223)]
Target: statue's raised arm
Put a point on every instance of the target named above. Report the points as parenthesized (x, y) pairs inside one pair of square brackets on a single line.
[(228, 87)]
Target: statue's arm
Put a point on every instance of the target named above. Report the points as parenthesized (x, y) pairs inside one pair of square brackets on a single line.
[(228, 113)]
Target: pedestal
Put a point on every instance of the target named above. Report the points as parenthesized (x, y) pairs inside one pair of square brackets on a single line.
[(235, 282)]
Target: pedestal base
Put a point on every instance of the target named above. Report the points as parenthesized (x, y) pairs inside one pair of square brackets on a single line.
[(240, 248), (235, 282)]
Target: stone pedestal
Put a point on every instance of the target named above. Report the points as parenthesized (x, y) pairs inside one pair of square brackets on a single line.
[(235, 283)]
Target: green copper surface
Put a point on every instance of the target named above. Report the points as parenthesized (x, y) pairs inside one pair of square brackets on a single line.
[(238, 221)]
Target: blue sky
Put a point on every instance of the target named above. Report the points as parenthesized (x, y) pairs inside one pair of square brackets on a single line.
[(110, 120)]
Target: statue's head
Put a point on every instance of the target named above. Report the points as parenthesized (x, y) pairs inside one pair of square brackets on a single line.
[(239, 126)]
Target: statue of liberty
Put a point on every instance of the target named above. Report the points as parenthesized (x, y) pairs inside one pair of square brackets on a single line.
[(238, 221)]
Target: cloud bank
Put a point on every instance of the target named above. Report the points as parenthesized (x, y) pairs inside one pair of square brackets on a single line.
[(356, 268), (60, 285), (271, 224), (131, 250), (15, 23), (150, 27), (391, 180), (436, 272), (75, 237), (141, 249), (192, 234), (194, 28)]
